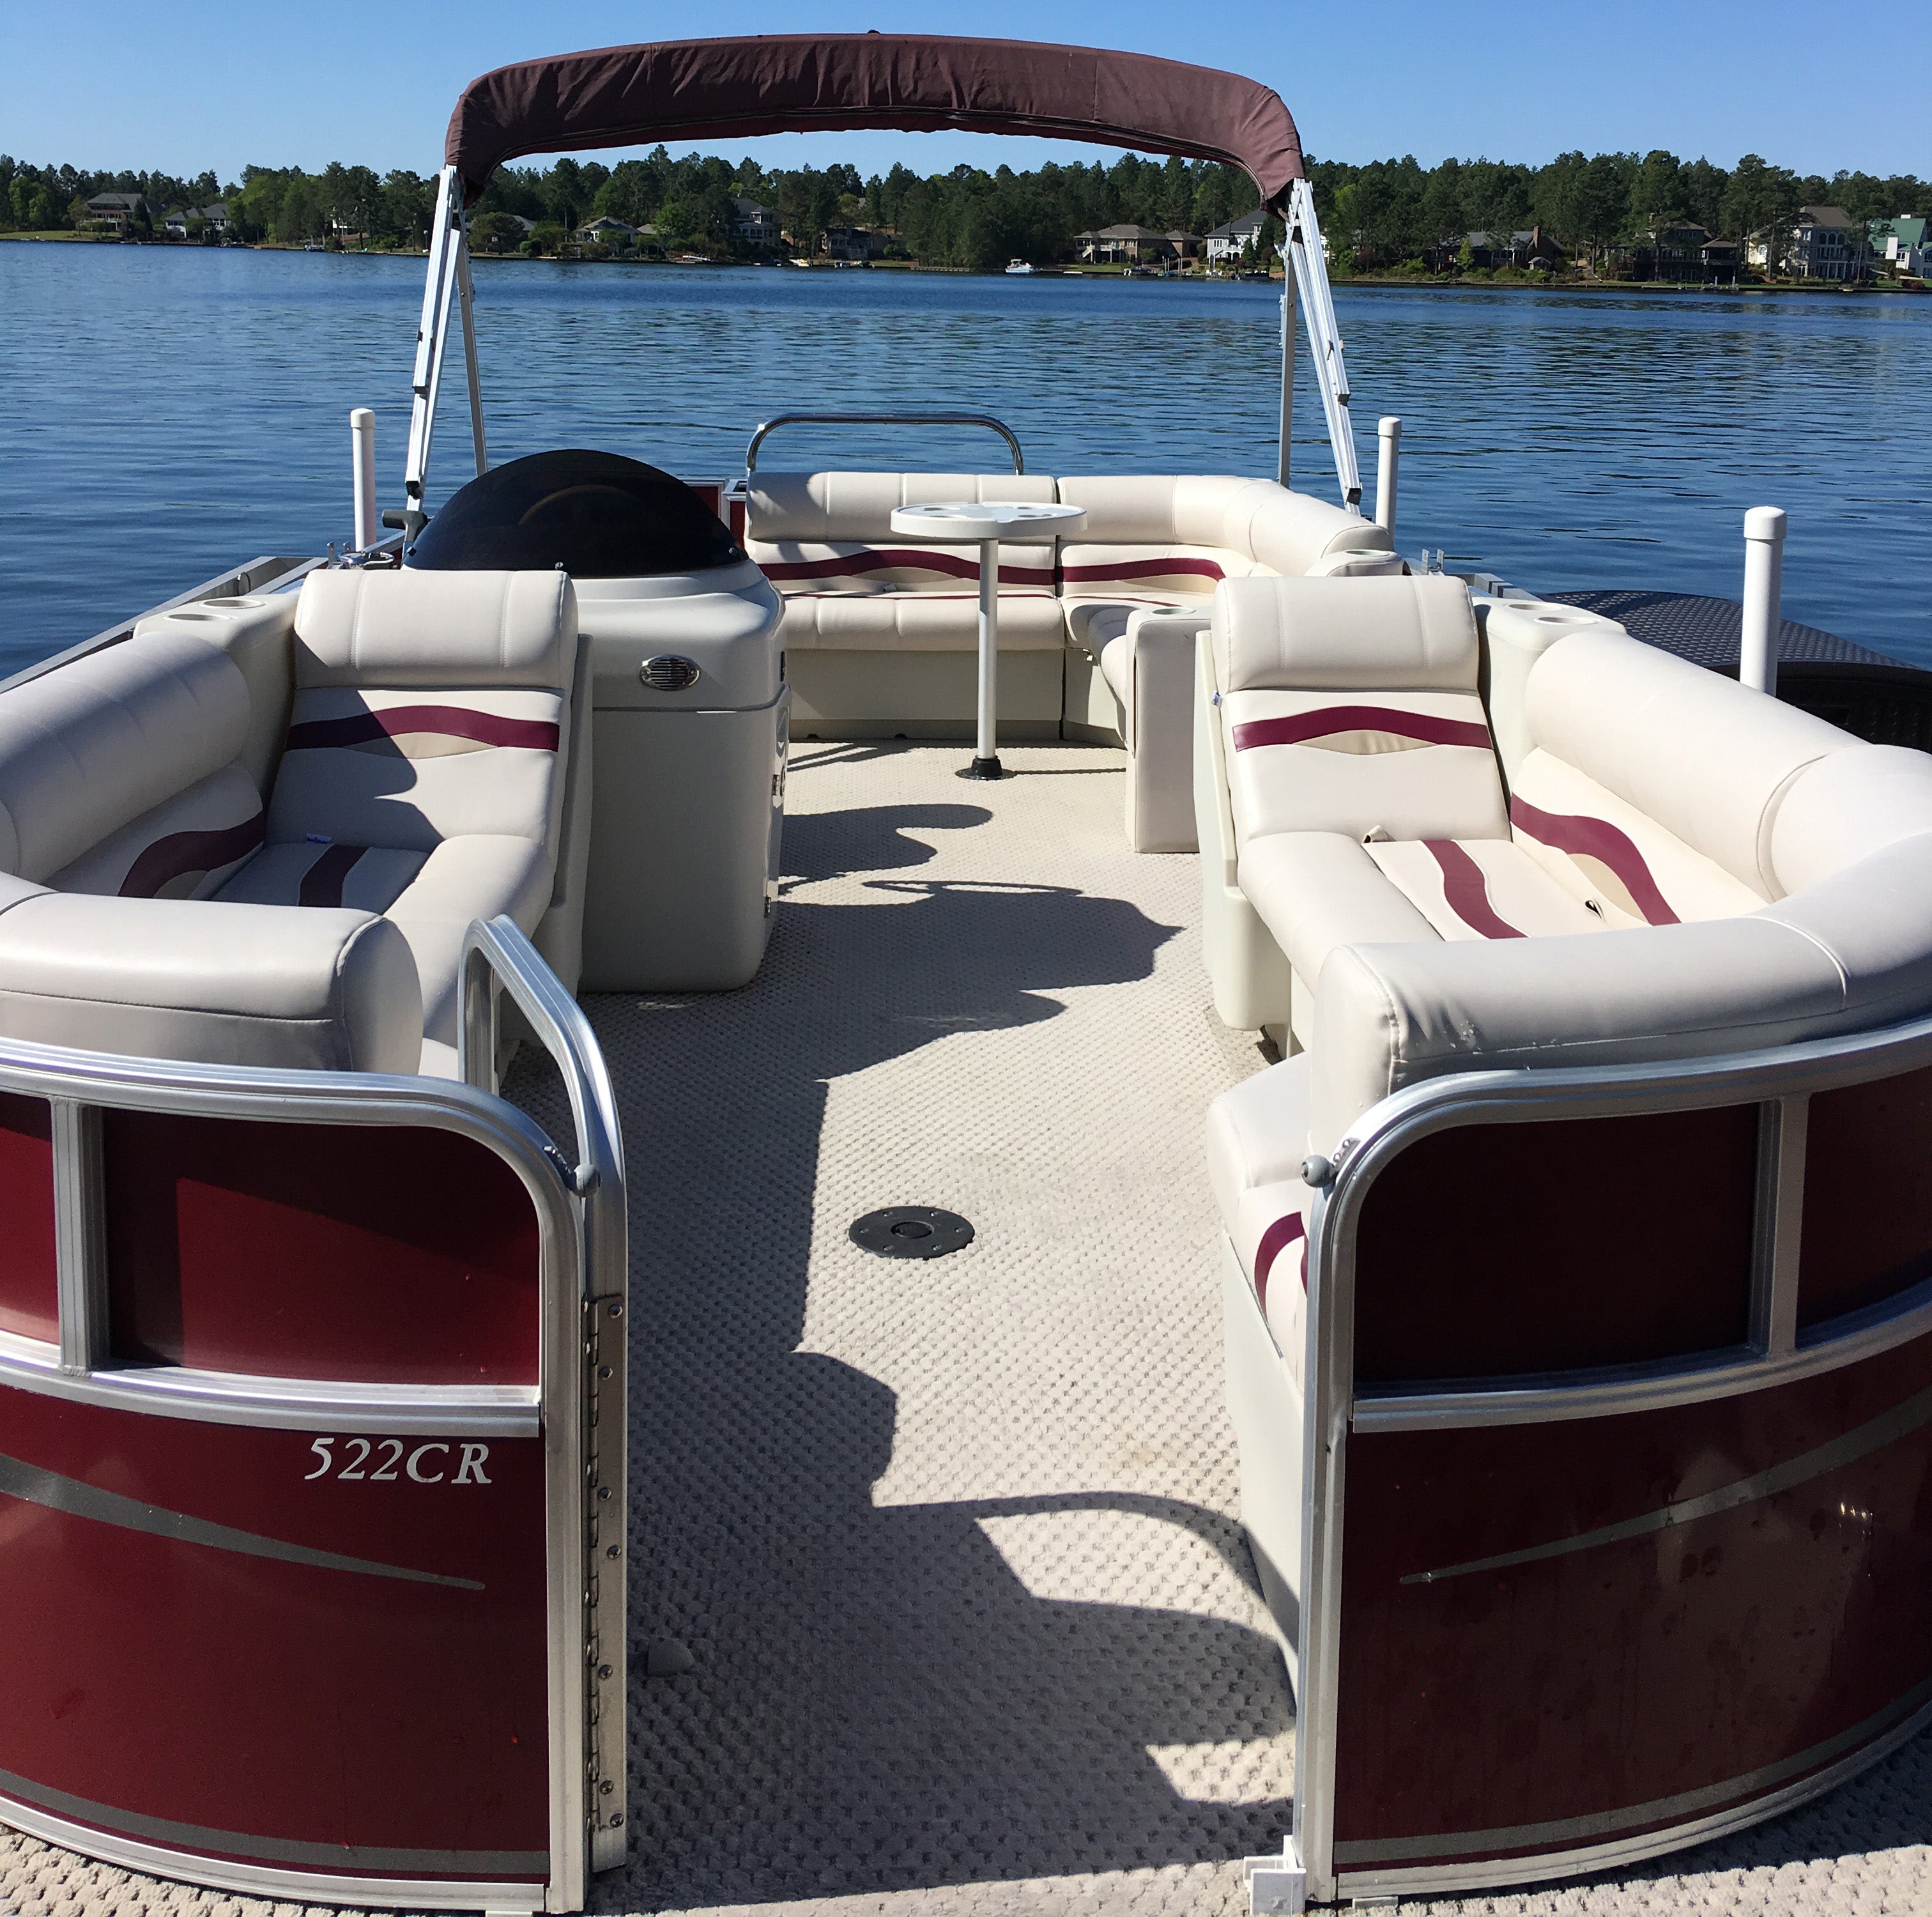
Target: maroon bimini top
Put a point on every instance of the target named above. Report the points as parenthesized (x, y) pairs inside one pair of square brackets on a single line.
[(712, 89)]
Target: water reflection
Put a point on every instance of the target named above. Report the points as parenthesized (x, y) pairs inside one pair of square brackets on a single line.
[(166, 414)]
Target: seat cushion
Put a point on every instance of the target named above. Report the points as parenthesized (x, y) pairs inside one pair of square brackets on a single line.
[(462, 879), (1316, 891), (400, 768), (1399, 764), (319, 872), (844, 566), (359, 627), (1257, 1138), (919, 621), (1619, 861), (218, 984)]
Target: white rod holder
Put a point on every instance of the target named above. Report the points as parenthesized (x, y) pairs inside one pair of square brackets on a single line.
[(1388, 431), (1764, 569), (362, 467)]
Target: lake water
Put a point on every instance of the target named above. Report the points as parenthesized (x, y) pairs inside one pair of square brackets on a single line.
[(166, 413)]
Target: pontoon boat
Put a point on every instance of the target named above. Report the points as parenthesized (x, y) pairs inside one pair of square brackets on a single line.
[(413, 1496)]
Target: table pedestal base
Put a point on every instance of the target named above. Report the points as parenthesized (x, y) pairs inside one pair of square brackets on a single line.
[(986, 768)]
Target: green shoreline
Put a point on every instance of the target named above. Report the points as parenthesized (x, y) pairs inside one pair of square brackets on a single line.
[(1392, 282)]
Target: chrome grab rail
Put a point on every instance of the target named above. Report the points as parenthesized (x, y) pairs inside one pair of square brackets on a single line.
[(496, 954), (984, 419)]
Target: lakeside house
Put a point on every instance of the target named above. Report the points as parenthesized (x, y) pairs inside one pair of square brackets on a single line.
[(1823, 243), (1681, 250), (604, 231), (214, 216), (855, 243), (122, 210), (1901, 243), (1129, 244), (1230, 239), (754, 225)]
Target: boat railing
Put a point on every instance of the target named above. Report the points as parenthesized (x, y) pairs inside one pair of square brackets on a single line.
[(270, 573), (319, 1375), (498, 958), (1668, 1314), (985, 420)]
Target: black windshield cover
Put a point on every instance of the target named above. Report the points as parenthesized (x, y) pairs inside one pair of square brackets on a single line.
[(597, 515)]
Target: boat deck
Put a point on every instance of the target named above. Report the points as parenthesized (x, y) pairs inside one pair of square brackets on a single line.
[(953, 1546)]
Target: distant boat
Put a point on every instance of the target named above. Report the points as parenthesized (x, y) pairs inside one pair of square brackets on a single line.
[(1019, 266)]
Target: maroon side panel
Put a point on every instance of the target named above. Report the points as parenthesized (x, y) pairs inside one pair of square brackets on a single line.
[(29, 1291), (365, 1253), (1867, 1194), (1604, 1678), (215, 1699), (1476, 1255)]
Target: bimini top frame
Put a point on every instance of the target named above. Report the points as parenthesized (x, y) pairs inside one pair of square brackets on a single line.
[(711, 89)]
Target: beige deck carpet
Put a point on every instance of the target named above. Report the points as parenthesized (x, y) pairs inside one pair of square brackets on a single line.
[(952, 1544)]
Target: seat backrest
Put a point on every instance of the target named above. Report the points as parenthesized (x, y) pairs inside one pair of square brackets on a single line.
[(832, 531), (120, 773), (1351, 706), (1290, 533), (1653, 787), (427, 706), (1156, 537)]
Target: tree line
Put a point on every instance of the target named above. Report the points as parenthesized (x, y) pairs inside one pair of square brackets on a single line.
[(1381, 213)]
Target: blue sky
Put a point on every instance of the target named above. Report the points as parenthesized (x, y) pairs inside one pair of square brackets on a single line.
[(183, 87)]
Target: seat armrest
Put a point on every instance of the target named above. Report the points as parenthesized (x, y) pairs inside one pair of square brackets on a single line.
[(1156, 694), (214, 983)]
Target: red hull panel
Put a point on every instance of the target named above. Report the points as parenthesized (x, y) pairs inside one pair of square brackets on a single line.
[(1490, 1212), (188, 1660), (1705, 1656), (29, 1290), (1862, 1140), (369, 1254)]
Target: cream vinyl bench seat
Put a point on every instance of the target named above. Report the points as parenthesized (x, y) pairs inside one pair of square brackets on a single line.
[(1678, 866), (1095, 633), (256, 831)]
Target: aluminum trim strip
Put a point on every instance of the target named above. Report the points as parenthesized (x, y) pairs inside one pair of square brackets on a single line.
[(264, 1880), (1518, 1837), (1553, 1397), (283, 1850), (280, 1404), (32, 1484), (1861, 1442)]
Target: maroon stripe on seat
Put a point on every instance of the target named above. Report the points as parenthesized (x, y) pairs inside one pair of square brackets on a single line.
[(181, 852), (450, 721), (1298, 727), (1598, 838), (321, 883), (1146, 569), (1276, 1239), (887, 558), (1467, 891)]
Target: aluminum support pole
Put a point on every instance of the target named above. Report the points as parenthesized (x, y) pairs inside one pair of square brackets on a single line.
[(362, 473), (1388, 431), (986, 751), (466, 299), (1287, 363), (1764, 568), (1325, 337), (426, 379)]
